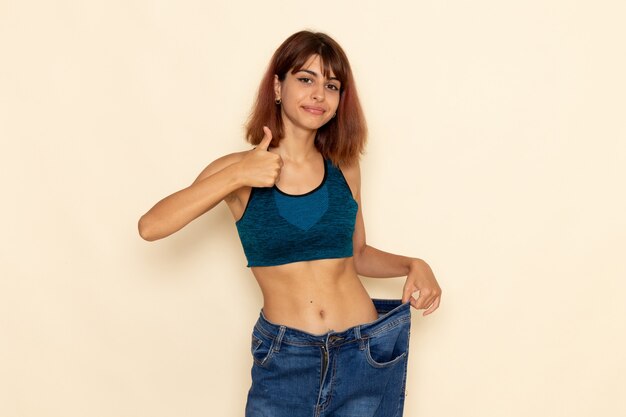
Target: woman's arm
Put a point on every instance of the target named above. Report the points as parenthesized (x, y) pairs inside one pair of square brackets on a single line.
[(375, 263), (254, 168), (175, 211)]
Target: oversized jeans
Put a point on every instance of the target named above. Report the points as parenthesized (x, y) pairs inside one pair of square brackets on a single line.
[(358, 372)]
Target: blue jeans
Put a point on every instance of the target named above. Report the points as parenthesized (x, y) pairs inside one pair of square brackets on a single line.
[(358, 372)]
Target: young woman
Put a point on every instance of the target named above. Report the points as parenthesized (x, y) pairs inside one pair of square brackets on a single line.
[(321, 345)]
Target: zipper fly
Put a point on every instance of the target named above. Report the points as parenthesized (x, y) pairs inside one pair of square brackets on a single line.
[(324, 360)]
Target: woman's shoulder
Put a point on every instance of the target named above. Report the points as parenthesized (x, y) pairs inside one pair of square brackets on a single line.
[(352, 173)]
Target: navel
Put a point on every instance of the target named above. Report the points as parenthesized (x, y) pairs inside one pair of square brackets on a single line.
[(322, 313)]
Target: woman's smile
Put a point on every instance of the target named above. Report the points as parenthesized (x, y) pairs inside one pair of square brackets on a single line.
[(316, 110)]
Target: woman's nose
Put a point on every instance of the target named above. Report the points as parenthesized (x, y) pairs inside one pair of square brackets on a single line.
[(318, 93)]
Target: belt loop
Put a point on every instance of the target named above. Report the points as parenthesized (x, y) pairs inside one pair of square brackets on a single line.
[(357, 333), (279, 338)]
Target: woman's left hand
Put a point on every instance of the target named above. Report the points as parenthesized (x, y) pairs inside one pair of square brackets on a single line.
[(422, 279)]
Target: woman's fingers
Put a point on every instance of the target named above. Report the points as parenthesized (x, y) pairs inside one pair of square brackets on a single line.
[(433, 306), (426, 299), (408, 292)]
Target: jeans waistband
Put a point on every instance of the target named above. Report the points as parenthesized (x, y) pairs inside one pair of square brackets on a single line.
[(391, 314)]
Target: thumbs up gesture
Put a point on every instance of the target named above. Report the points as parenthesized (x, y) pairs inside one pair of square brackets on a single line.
[(267, 139), (261, 168)]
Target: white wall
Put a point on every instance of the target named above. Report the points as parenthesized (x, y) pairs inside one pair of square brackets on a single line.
[(497, 153)]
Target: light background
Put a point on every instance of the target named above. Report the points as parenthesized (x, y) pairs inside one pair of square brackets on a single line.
[(497, 153)]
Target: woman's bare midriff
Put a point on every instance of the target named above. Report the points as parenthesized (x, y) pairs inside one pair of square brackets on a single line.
[(315, 296)]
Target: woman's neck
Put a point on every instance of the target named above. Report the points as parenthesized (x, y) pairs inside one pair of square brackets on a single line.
[(298, 145)]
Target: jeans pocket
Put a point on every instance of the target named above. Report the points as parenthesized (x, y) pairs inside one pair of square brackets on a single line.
[(261, 349), (387, 349)]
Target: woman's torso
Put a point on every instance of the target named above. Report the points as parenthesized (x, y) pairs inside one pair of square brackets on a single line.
[(314, 295)]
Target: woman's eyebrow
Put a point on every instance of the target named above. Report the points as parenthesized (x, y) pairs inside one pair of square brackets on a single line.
[(313, 73)]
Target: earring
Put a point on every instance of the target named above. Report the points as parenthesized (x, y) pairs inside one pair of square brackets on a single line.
[(278, 101)]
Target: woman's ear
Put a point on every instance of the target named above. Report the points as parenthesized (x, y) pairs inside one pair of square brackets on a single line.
[(276, 87)]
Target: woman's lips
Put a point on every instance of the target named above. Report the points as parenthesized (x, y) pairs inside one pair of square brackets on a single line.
[(318, 111)]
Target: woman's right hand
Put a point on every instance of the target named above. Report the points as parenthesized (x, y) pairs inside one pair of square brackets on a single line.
[(261, 168)]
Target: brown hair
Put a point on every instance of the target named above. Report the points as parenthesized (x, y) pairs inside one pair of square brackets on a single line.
[(343, 138)]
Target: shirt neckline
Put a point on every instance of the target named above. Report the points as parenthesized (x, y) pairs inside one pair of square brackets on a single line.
[(308, 192)]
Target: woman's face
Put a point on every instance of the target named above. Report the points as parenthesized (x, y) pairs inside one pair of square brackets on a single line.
[(309, 100)]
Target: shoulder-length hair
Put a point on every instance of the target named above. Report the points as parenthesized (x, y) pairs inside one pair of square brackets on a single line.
[(342, 139)]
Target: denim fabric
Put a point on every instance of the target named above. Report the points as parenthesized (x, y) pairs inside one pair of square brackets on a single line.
[(358, 372)]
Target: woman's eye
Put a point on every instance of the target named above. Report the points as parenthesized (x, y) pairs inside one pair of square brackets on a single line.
[(305, 80), (333, 87)]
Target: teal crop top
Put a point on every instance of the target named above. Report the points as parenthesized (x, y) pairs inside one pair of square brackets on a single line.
[(278, 228)]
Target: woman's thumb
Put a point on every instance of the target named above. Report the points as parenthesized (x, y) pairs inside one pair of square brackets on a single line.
[(267, 139)]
